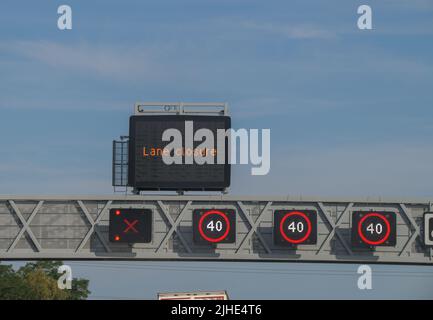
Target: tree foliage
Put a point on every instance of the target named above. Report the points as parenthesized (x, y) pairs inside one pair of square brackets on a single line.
[(38, 281)]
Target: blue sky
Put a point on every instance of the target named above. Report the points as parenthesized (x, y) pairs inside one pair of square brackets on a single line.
[(350, 111)]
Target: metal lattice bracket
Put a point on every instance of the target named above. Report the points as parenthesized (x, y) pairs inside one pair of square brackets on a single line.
[(93, 223), (334, 229), (412, 224), (173, 226), (25, 227), (253, 227), (333, 226)]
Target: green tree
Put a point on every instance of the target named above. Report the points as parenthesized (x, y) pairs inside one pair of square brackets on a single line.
[(38, 281), (12, 286), (43, 287)]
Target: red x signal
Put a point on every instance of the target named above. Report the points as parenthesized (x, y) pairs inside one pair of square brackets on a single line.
[(130, 225)]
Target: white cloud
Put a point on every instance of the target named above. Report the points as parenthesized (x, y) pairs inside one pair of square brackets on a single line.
[(290, 31), (111, 61)]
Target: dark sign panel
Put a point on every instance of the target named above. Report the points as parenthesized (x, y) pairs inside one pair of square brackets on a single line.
[(130, 225), (148, 171), (293, 227), (214, 226), (428, 228), (371, 229)]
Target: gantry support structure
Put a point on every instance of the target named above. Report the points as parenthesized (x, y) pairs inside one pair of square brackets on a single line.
[(76, 228)]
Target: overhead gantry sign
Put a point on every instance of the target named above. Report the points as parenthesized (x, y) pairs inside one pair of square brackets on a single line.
[(216, 228)]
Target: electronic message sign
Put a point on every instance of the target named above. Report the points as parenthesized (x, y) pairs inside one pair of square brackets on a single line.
[(214, 226), (147, 169), (130, 225), (294, 227), (371, 229)]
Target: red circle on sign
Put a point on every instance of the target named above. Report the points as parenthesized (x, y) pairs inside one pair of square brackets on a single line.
[(374, 214), (295, 213), (200, 226)]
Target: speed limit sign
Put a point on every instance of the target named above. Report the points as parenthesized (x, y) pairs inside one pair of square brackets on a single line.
[(371, 229), (214, 226), (294, 227)]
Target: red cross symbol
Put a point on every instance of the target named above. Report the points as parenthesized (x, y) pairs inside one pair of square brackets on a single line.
[(130, 226)]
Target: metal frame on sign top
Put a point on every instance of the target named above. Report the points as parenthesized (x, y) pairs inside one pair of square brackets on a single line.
[(208, 108), (76, 228)]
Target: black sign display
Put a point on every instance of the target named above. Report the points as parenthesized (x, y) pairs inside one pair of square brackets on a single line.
[(130, 225), (428, 229), (294, 227), (214, 226), (371, 229), (148, 171)]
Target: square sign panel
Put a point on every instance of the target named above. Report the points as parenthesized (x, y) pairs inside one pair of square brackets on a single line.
[(130, 225), (428, 228), (373, 228), (196, 137), (214, 226), (294, 227)]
